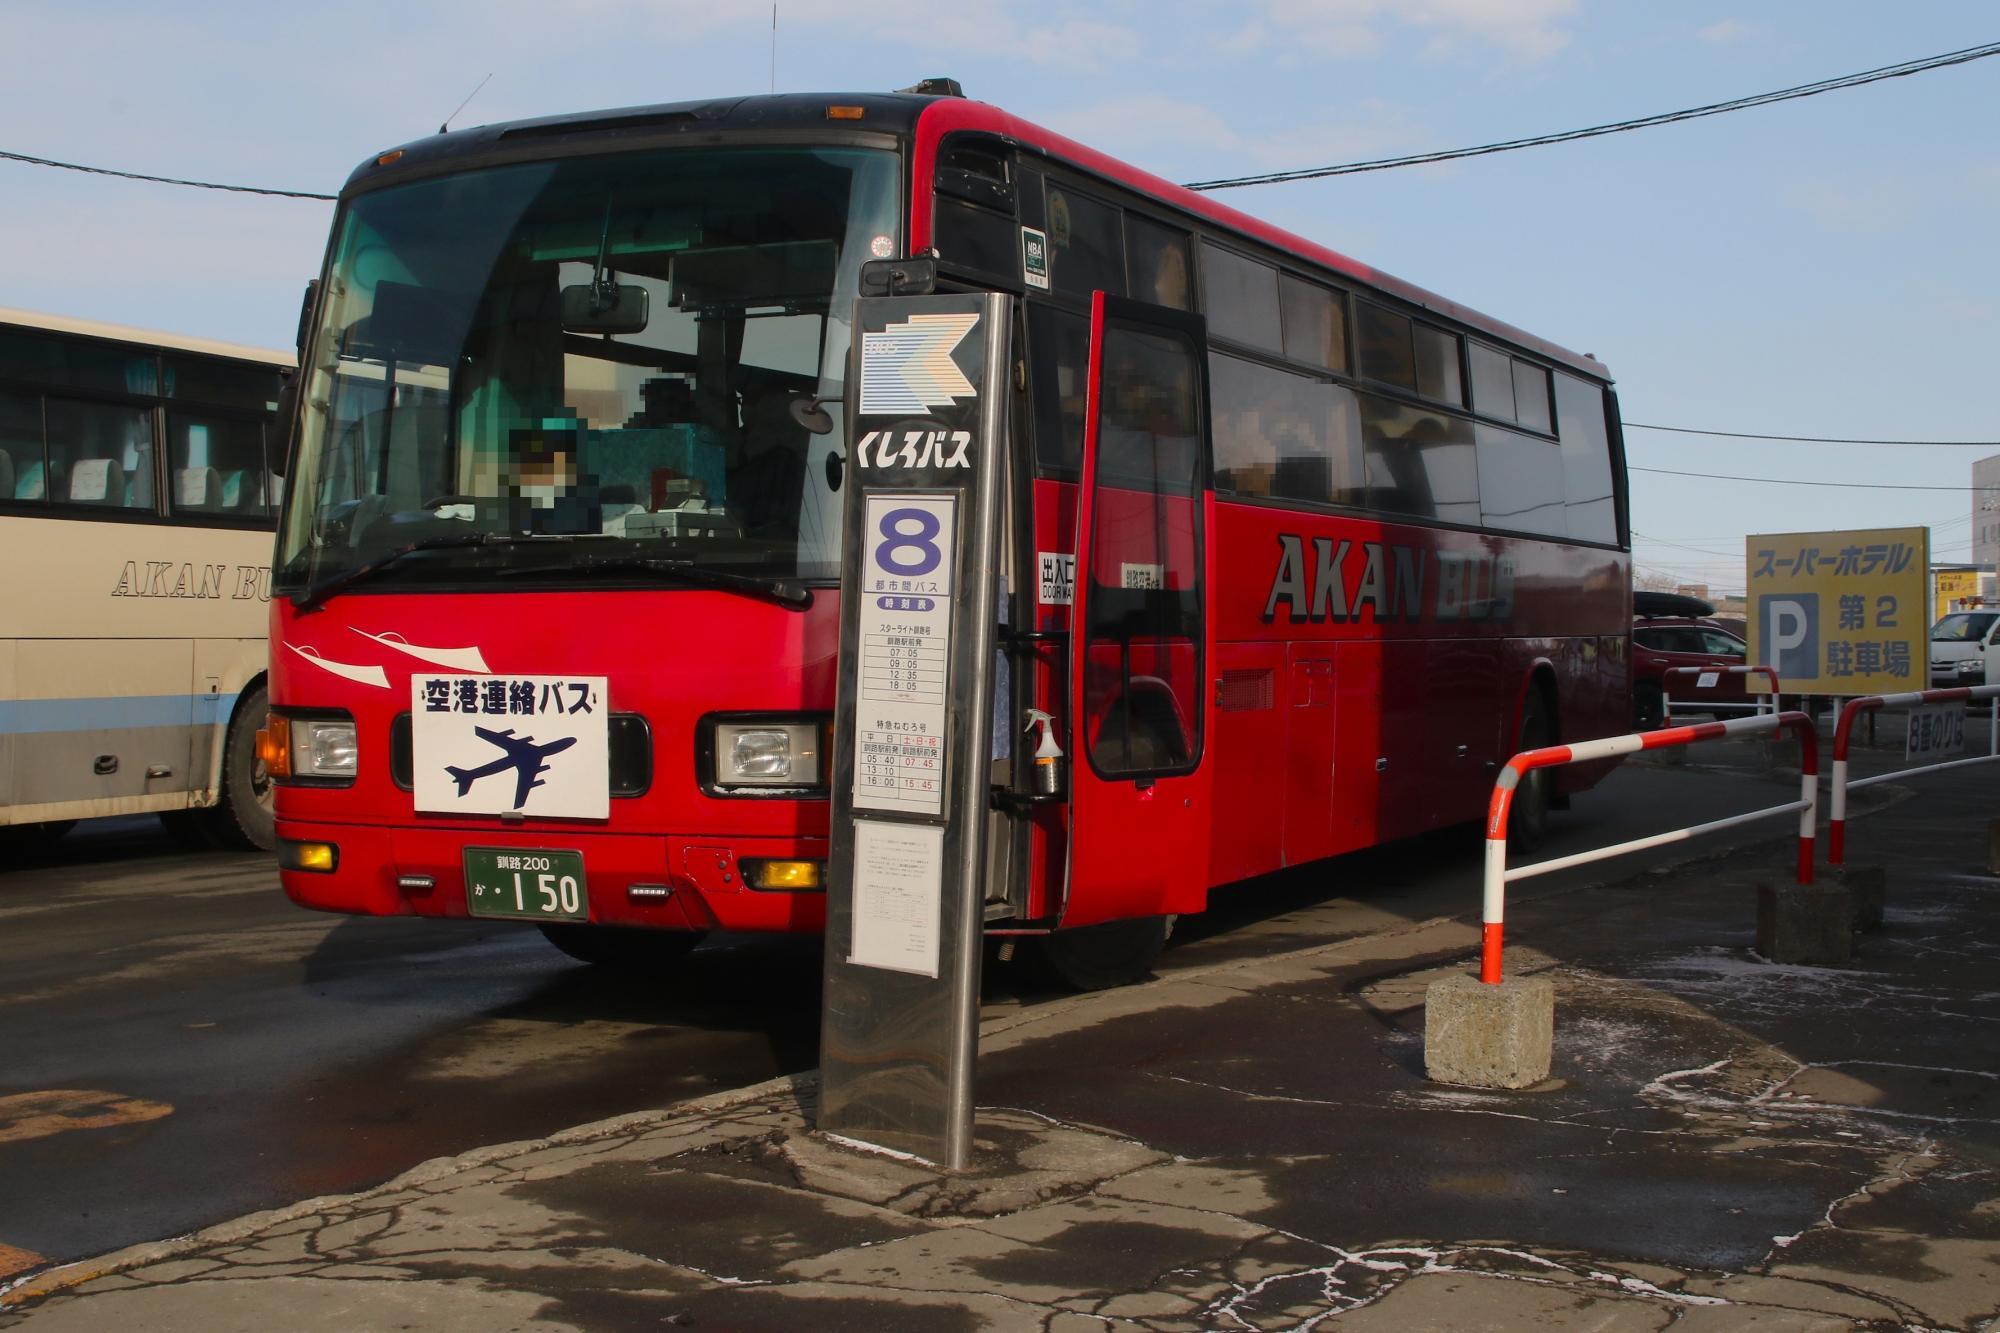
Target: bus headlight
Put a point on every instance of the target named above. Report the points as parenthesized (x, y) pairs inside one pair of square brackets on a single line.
[(767, 754), (324, 747)]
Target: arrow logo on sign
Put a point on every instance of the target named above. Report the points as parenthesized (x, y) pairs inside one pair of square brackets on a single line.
[(907, 367)]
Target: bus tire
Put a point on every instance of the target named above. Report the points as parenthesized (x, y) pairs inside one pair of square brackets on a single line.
[(243, 816), (622, 948), (1528, 817), (1649, 707), (1116, 953)]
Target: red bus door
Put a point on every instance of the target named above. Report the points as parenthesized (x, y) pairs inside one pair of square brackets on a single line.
[(1139, 639)]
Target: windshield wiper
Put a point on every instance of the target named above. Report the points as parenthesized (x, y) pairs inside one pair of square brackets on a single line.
[(310, 598), (785, 592)]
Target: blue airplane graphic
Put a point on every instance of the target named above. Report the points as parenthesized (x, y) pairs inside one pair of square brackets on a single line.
[(526, 758)]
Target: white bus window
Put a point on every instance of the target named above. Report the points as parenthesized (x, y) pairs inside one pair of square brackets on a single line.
[(217, 466), (100, 454), (21, 448)]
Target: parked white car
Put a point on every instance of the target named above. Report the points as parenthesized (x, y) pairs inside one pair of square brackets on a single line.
[(1964, 649)]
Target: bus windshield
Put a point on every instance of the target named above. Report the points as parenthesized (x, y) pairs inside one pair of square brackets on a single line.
[(606, 348)]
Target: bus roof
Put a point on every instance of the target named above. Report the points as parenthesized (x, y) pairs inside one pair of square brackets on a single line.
[(922, 119), (178, 342)]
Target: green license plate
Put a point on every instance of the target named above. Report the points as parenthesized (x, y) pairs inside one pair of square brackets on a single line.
[(528, 883)]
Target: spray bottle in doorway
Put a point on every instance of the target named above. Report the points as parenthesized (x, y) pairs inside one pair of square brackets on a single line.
[(1050, 763)]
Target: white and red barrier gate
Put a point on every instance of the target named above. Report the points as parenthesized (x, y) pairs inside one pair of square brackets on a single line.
[(1843, 734), (1766, 703), (1498, 876)]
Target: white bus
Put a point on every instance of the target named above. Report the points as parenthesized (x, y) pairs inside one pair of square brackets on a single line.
[(140, 477)]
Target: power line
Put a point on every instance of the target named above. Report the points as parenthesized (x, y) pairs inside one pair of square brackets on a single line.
[(1791, 481), (160, 180), (1902, 70), (1815, 439)]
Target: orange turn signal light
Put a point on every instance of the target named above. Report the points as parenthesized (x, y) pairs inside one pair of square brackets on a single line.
[(274, 746), (845, 112)]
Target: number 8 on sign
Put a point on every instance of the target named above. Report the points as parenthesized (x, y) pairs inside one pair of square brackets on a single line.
[(898, 535)]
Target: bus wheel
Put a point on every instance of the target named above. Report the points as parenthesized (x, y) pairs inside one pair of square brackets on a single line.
[(625, 948), (1116, 953), (1528, 818), (1649, 708), (242, 815)]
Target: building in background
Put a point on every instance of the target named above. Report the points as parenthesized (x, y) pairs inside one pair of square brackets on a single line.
[(1986, 521)]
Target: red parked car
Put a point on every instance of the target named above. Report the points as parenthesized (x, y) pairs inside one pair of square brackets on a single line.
[(1670, 630)]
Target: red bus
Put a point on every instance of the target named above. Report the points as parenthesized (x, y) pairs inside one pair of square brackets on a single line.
[(572, 411)]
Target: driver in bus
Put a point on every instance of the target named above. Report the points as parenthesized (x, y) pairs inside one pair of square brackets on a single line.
[(546, 493)]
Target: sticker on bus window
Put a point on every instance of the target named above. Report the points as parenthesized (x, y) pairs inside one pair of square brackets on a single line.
[(1058, 581), (1035, 258), (1142, 576)]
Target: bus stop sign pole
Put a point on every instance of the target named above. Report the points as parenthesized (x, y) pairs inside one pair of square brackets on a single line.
[(926, 441)]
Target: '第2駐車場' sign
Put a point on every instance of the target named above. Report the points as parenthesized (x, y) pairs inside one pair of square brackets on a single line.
[(1841, 612)]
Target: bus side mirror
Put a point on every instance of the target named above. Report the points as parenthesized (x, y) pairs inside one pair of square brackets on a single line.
[(899, 277), (306, 304)]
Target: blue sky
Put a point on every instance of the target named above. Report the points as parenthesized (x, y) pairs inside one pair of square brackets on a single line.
[(1822, 267)]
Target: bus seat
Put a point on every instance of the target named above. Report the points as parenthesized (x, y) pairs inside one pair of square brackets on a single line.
[(137, 493), (236, 492), (6, 475), (197, 488), (274, 487), (32, 483), (96, 481)]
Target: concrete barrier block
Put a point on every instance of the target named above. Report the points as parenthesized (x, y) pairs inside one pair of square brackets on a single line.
[(1481, 1036), (1811, 924), (1868, 890)]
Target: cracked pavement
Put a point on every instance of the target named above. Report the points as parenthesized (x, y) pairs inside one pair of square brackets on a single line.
[(1252, 1145)]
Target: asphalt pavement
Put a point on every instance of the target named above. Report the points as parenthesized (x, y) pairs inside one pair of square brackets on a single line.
[(1246, 1141)]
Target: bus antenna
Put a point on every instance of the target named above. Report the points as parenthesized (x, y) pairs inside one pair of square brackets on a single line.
[(445, 127)]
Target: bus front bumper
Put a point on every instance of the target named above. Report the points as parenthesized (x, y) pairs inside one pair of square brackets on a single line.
[(666, 881)]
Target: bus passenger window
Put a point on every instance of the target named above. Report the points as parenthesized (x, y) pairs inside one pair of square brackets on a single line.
[(101, 454), (1240, 298), (217, 466), (1283, 435), (1382, 340), (1086, 249), (1159, 261), (1419, 462), (1492, 382), (1437, 366), (1531, 396), (1521, 482), (21, 448), (1315, 323), (1586, 455)]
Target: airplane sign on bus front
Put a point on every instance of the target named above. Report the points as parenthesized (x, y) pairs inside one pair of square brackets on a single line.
[(493, 745)]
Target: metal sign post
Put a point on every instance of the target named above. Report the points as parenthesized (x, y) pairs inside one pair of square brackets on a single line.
[(913, 722)]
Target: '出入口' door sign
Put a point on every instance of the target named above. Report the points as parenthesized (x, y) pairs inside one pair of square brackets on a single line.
[(489, 745)]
